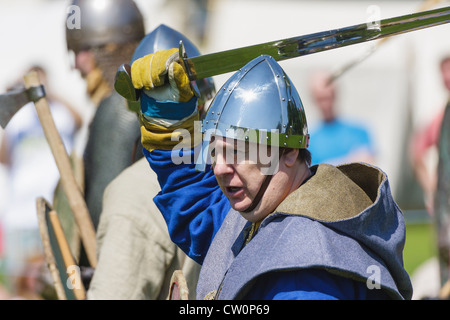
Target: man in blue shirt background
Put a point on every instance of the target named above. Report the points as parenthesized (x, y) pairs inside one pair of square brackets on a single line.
[(336, 140)]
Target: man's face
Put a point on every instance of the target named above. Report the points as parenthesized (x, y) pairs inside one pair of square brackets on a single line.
[(85, 62), (324, 94), (240, 177)]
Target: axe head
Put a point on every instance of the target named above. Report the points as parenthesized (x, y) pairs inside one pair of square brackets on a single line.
[(12, 101)]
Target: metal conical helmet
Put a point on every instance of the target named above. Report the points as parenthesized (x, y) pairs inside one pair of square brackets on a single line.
[(257, 104), (102, 22), (165, 38)]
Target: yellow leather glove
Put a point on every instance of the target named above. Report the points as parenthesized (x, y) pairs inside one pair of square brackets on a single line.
[(162, 77)]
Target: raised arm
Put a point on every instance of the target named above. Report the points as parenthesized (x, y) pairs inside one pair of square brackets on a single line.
[(191, 202)]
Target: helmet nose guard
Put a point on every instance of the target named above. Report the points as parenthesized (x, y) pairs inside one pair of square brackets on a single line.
[(257, 104)]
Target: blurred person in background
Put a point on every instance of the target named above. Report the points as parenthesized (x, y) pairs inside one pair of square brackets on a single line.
[(336, 140), (427, 138), (31, 173), (436, 192), (137, 258), (108, 35)]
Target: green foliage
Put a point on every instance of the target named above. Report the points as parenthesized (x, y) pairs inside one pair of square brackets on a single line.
[(420, 245)]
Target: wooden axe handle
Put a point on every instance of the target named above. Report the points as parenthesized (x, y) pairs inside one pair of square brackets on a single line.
[(79, 292), (69, 183)]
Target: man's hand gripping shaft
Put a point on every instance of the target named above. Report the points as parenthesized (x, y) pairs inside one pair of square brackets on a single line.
[(162, 77)]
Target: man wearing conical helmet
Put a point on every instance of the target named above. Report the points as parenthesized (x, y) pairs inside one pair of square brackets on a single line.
[(244, 201)]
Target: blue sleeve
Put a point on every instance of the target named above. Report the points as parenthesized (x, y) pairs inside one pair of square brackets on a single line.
[(310, 284), (191, 202)]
